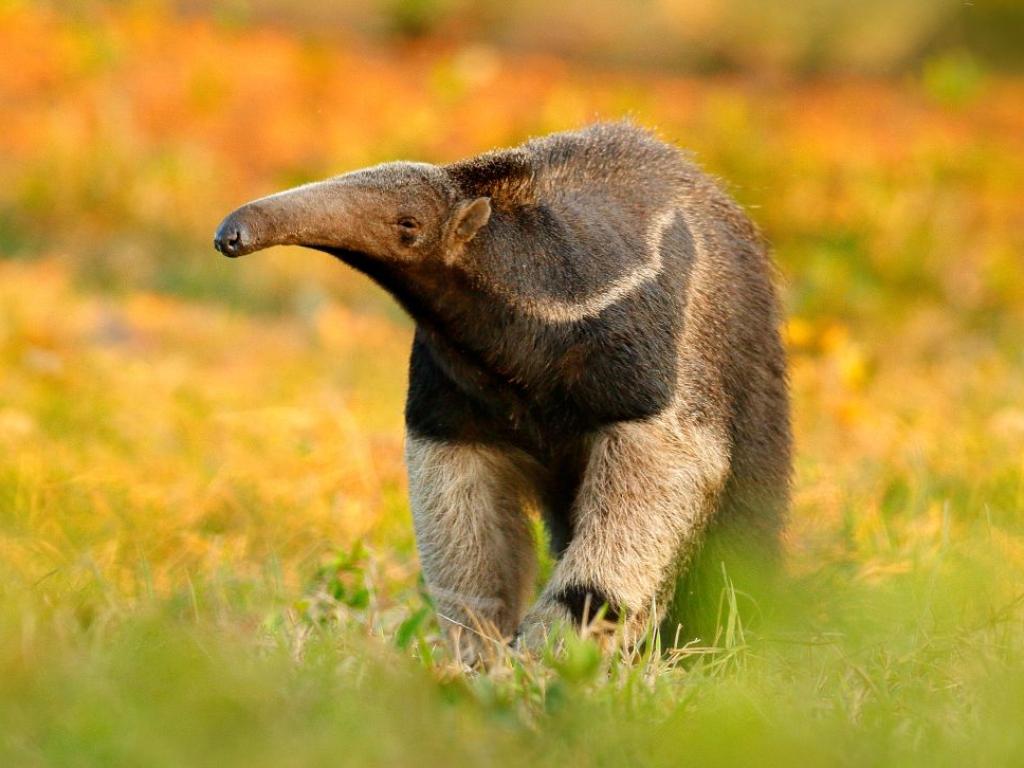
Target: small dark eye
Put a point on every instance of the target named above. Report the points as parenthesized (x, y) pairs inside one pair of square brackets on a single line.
[(407, 222)]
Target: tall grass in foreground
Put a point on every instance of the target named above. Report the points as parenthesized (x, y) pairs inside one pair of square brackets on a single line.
[(923, 671)]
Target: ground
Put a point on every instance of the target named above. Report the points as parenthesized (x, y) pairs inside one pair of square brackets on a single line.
[(206, 556)]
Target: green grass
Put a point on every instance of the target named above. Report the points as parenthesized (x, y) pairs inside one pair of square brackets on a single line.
[(923, 671)]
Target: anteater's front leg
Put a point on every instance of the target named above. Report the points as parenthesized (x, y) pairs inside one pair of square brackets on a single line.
[(474, 538), (648, 491)]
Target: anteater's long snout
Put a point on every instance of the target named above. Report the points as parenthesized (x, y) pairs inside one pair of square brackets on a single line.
[(314, 215), (235, 235)]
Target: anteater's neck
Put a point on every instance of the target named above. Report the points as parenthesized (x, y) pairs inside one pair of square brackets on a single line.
[(476, 340)]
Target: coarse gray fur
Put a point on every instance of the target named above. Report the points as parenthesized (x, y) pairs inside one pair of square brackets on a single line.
[(597, 338)]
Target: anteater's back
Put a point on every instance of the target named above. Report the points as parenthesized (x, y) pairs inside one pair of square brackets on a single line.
[(729, 349)]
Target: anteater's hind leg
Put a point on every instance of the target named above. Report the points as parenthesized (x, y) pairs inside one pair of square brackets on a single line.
[(474, 538), (648, 492), (741, 554)]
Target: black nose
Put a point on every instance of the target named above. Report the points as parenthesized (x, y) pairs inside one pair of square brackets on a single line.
[(233, 237)]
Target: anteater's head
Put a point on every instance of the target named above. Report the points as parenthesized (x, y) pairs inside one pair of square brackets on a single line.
[(397, 212)]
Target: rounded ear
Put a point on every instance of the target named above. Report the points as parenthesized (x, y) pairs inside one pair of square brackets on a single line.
[(470, 217)]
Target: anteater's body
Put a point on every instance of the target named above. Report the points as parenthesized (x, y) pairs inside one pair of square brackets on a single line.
[(597, 336)]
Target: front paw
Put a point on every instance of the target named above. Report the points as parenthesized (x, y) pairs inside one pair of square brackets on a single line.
[(544, 623)]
